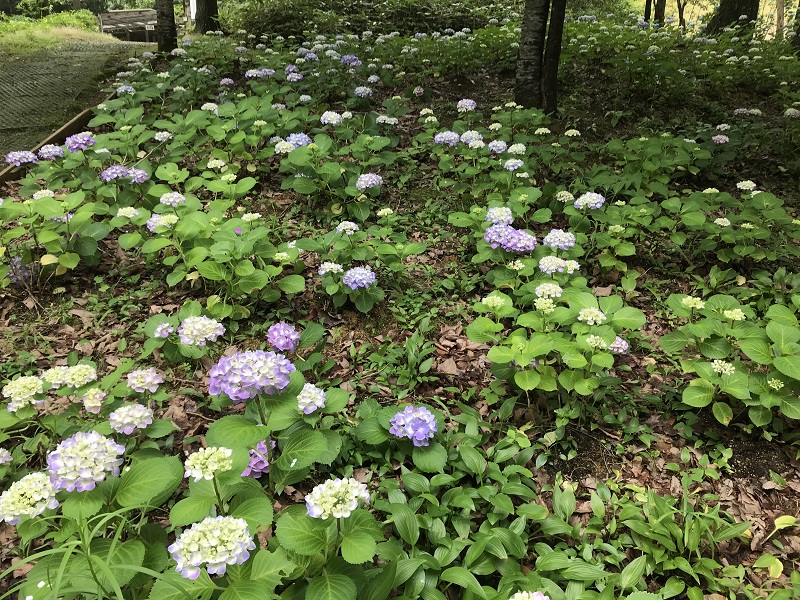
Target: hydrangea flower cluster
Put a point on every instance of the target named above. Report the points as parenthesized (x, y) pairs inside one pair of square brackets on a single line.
[(22, 392), (415, 423), (114, 172), (466, 105), (499, 215), (330, 117), (619, 346), (204, 463), (548, 290), (299, 140), (50, 151), (244, 375), (30, 496), (691, 302), (79, 141), (5, 456), (155, 221), (592, 316), (127, 419), (529, 596), (283, 337), (74, 377), (589, 200), (497, 146), (596, 342), (347, 227), (449, 138), (172, 199), (198, 330), (21, 157), (722, 367), (329, 267), (471, 136), (559, 239), (82, 461), (310, 399), (358, 277), (564, 196), (517, 149), (215, 542), (367, 181), (335, 498), (259, 460), (163, 330), (363, 91), (508, 238), (494, 302), (93, 400), (145, 380), (512, 164), (736, 314)]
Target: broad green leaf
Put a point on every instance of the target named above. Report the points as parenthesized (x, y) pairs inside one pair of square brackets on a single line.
[(258, 512), (190, 510), (430, 459), (270, 568), (292, 284), (632, 573), (628, 317), (234, 431), (302, 449), (405, 521), (149, 481), (528, 379), (298, 532), (246, 590), (788, 365), (473, 459), (80, 505), (212, 271), (358, 547), (782, 335), (757, 350), (463, 578), (331, 587), (698, 393)]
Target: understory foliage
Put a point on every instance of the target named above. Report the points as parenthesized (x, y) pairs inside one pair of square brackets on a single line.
[(264, 183)]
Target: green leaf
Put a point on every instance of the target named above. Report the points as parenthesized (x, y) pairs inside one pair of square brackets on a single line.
[(463, 578), (69, 260), (292, 284), (80, 505), (632, 573), (788, 365), (246, 590), (628, 317), (128, 240), (270, 568), (430, 459), (258, 512), (782, 335), (527, 380), (771, 563), (698, 394), (483, 330), (722, 412), (171, 586), (582, 571), (149, 481), (234, 431), (405, 521), (371, 431), (190, 510), (473, 459), (358, 547), (298, 532), (757, 350), (380, 586), (120, 560), (782, 315), (331, 587), (301, 449)]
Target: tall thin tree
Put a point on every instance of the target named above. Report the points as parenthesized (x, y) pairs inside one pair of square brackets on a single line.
[(528, 88), (166, 32), (552, 56)]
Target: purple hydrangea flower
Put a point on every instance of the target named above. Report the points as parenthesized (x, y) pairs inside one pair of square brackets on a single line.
[(115, 172), (226, 82), (259, 460), (368, 180), (139, 175), (79, 141), (244, 375), (294, 77), (500, 215), (283, 337), (50, 151), (415, 423), (21, 157), (557, 238), (299, 139), (512, 164), (497, 146), (310, 399), (351, 60), (619, 346), (419, 91), (509, 239), (125, 90), (466, 105), (82, 461), (358, 277), (450, 138), (291, 69)]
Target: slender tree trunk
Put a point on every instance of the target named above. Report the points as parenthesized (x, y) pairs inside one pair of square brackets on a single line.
[(660, 9), (648, 10), (528, 89), (207, 18), (780, 21), (796, 38), (166, 33), (682, 13), (729, 12), (552, 56)]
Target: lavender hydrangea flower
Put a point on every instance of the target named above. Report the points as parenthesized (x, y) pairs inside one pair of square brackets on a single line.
[(172, 199), (82, 461), (557, 238), (226, 82), (127, 419), (163, 330), (259, 460), (283, 337), (21, 157), (93, 400), (50, 151), (294, 77), (497, 146), (244, 375), (619, 346), (358, 277), (215, 542), (145, 380), (196, 331), (125, 90), (299, 139), (79, 141), (368, 180), (471, 136), (501, 215), (466, 105), (310, 399), (512, 164), (509, 239), (30, 496), (336, 498), (450, 138), (139, 175), (350, 60), (589, 200), (5, 456), (415, 423), (115, 172)]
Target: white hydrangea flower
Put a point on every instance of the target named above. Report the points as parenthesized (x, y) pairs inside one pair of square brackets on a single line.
[(80, 375), (197, 331), (128, 212), (330, 267), (548, 290), (216, 542), (30, 496), (127, 419), (592, 316), (565, 196), (529, 596), (22, 392), (775, 384), (385, 212), (734, 315), (596, 342), (5, 456), (722, 222), (494, 302), (517, 149), (722, 367), (516, 265), (746, 185), (310, 399), (204, 463), (336, 498), (692, 302), (93, 400), (545, 305)]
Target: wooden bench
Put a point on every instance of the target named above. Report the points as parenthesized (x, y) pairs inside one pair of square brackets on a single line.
[(126, 22)]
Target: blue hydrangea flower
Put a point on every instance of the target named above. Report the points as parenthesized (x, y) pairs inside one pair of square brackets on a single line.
[(244, 375), (358, 277), (415, 423)]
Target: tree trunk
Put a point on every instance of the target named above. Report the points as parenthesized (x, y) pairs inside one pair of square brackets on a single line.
[(648, 10), (552, 56), (729, 12), (780, 10), (796, 38), (660, 9), (166, 33), (207, 18), (682, 13), (528, 88)]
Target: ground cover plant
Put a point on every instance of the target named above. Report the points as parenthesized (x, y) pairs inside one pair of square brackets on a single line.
[(304, 319)]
